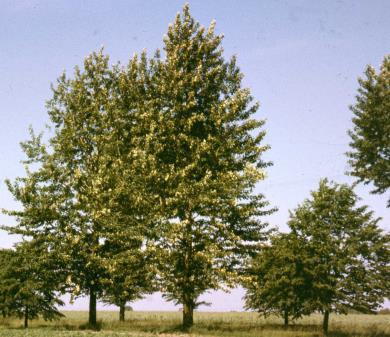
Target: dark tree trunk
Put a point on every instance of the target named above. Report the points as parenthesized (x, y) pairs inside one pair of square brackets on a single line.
[(122, 312), (285, 318), (188, 315), (188, 301), (92, 309), (325, 324), (26, 317)]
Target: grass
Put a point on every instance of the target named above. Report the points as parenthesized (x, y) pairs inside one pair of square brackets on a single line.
[(167, 324)]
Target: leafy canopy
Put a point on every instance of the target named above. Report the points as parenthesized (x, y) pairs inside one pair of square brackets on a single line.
[(348, 253), (370, 136)]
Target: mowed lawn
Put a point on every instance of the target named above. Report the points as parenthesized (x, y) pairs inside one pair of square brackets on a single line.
[(167, 324)]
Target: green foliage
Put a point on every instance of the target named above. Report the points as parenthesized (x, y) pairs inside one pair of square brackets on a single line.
[(279, 279), (85, 197), (370, 136), (156, 162), (27, 288), (131, 277), (349, 253), (207, 153)]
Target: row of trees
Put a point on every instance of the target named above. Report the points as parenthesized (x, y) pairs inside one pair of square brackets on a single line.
[(334, 259), (146, 178), (146, 181)]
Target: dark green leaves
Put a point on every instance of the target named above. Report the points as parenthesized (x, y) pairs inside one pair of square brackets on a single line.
[(370, 136)]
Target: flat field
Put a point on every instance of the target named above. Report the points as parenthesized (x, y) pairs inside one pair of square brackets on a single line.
[(167, 324)]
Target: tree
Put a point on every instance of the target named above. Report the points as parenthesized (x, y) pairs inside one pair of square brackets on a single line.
[(84, 193), (348, 252), (370, 136), (207, 155), (132, 276), (5, 257), (278, 279), (26, 287)]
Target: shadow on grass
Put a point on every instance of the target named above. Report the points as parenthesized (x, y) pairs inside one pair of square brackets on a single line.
[(204, 328), (338, 333), (225, 329)]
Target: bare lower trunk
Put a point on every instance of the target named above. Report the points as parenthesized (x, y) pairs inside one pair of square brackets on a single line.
[(188, 315), (325, 324), (92, 309), (285, 318), (122, 312), (26, 317), (188, 300)]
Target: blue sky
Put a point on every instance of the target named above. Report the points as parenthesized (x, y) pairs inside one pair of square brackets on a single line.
[(301, 60)]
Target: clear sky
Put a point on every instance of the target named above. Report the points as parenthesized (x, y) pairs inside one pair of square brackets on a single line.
[(301, 59)]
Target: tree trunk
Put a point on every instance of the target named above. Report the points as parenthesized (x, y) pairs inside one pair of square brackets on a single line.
[(285, 318), (325, 324), (26, 317), (122, 312), (188, 301), (92, 309), (188, 315)]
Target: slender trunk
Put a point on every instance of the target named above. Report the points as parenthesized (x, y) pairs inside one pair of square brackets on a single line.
[(122, 312), (325, 324), (285, 318), (188, 300), (26, 317), (188, 315), (92, 309)]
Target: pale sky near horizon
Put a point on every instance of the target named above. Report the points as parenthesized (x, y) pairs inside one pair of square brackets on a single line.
[(301, 60)]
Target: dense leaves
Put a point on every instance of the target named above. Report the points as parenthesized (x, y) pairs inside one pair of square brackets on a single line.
[(279, 279), (83, 198), (147, 179), (370, 136), (349, 253), (207, 149), (158, 161), (335, 259), (27, 288)]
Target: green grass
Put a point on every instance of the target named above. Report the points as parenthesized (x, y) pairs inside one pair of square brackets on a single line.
[(167, 324)]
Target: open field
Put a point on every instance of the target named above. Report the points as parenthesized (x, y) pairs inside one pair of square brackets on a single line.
[(166, 324)]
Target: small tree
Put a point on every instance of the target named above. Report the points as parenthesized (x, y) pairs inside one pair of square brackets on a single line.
[(278, 279), (131, 277), (348, 252), (370, 136), (26, 287)]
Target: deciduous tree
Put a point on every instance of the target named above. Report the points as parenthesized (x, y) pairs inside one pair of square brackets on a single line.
[(208, 156), (27, 288), (279, 280), (84, 193), (348, 253), (370, 136)]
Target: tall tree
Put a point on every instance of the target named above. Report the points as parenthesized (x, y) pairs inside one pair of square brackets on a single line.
[(370, 136), (279, 280), (207, 148), (85, 199), (27, 288), (348, 253)]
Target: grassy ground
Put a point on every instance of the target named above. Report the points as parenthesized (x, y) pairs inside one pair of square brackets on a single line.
[(166, 324)]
